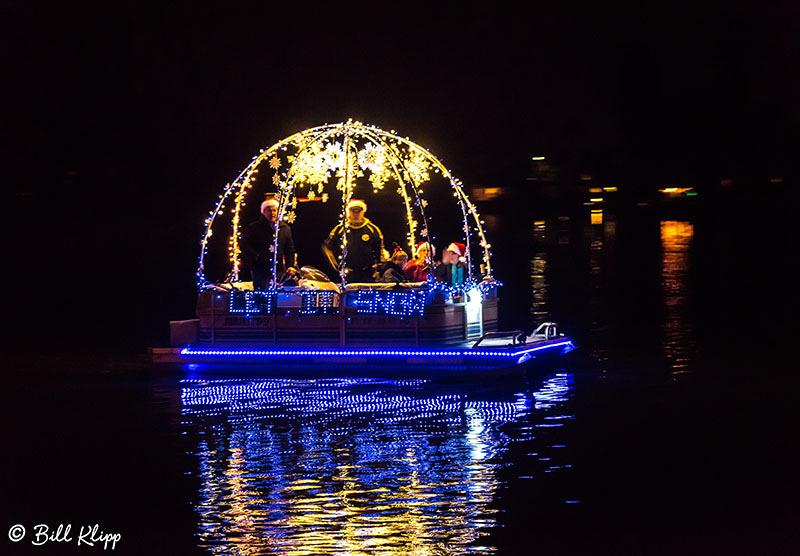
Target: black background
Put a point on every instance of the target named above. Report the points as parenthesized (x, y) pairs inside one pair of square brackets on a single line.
[(124, 121)]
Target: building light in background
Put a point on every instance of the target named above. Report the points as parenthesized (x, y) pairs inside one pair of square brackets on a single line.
[(487, 193), (675, 190)]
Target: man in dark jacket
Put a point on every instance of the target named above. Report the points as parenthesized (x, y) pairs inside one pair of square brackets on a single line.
[(364, 244), (258, 243)]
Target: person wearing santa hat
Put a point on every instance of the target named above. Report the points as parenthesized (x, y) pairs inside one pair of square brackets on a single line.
[(364, 243), (452, 270), (258, 243), (420, 266)]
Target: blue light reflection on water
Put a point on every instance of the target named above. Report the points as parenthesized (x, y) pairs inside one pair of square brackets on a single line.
[(342, 466)]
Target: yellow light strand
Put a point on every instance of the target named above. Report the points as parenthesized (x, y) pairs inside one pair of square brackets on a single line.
[(318, 158)]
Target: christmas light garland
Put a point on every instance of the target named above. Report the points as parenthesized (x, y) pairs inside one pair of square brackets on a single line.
[(485, 287), (345, 151)]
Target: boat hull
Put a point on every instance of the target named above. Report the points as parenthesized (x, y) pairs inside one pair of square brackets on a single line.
[(450, 363)]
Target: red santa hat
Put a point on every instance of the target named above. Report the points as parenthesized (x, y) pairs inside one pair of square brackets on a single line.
[(357, 203), (398, 251), (459, 249), (431, 248), (271, 201)]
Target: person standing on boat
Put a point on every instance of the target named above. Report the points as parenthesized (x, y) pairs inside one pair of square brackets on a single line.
[(420, 266), (258, 243), (363, 244), (453, 268)]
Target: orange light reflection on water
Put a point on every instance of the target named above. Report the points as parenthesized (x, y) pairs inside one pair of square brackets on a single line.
[(678, 334)]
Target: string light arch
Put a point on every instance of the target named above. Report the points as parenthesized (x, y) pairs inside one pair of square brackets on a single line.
[(305, 163)]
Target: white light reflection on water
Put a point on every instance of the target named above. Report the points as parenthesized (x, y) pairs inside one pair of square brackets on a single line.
[(354, 466)]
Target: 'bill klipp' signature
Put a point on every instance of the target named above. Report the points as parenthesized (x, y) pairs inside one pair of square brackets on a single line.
[(88, 535)]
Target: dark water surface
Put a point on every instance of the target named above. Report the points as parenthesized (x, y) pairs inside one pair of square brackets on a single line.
[(670, 431)]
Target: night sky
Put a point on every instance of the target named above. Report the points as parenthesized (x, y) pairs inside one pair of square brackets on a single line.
[(123, 122)]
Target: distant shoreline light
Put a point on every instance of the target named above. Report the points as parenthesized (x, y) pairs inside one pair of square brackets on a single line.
[(676, 190)]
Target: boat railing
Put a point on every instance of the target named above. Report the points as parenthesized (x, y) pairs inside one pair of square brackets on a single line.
[(413, 315), (545, 331), (517, 337)]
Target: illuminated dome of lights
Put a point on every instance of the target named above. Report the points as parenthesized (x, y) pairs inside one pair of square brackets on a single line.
[(325, 163)]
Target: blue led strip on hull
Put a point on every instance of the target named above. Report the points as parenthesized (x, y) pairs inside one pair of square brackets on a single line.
[(235, 353)]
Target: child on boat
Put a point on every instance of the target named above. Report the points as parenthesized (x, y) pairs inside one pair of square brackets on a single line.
[(393, 270)]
